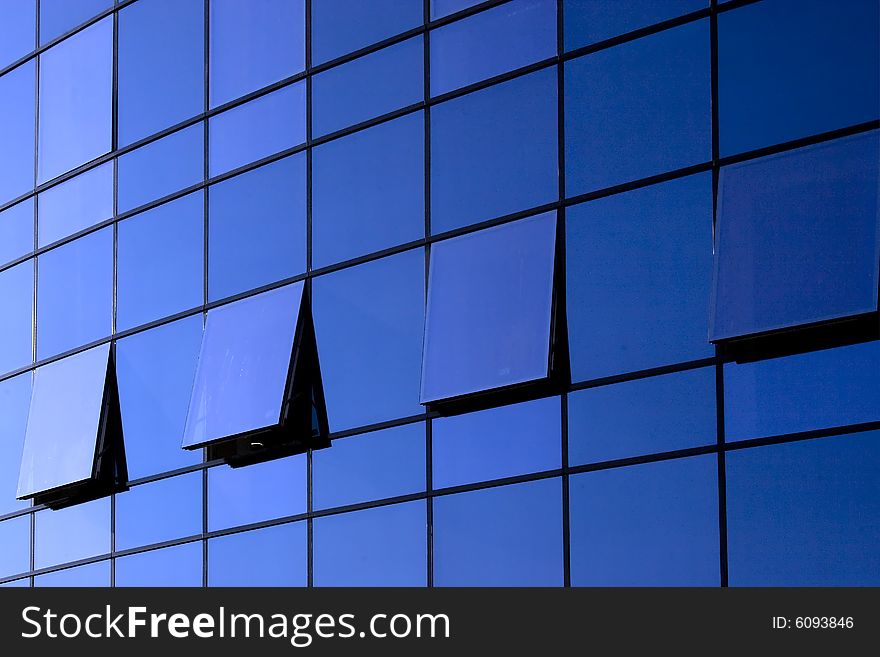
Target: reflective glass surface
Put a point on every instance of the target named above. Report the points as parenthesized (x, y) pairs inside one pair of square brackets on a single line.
[(17, 91), (93, 574), (159, 511), (180, 565), (17, 29), (15, 545), (16, 231), (15, 399), (73, 533), (343, 26), (60, 16), (17, 311), (591, 21), (274, 556), (441, 8), (76, 204)]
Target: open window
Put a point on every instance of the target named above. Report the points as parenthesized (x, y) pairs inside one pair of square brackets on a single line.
[(73, 448), (495, 324), (257, 393)]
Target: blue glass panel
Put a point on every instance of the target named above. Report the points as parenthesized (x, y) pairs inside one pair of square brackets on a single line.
[(75, 293), (638, 278), (76, 204), (370, 466), (505, 536), (254, 44), (805, 513), (494, 152), (801, 393), (646, 416), (441, 8), (63, 423), (257, 129), (257, 228), (497, 443), (18, 583), (790, 68), (240, 496), (15, 398), (369, 321), (16, 231), (180, 565), (162, 167), (646, 525), (243, 366), (15, 546), (60, 16), (76, 89), (18, 29), (275, 556), (798, 237), (18, 103), (73, 533), (492, 42), (159, 511), (638, 109), (155, 370), (160, 262), (385, 546), (369, 190), (17, 310), (490, 300), (368, 87), (343, 26), (93, 575)]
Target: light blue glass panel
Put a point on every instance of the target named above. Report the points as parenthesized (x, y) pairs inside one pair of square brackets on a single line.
[(16, 231), (159, 511), (18, 29), (58, 17), (17, 312), (15, 399), (18, 103), (76, 204), (15, 546), (343, 26), (73, 533), (274, 556), (180, 565), (92, 575)]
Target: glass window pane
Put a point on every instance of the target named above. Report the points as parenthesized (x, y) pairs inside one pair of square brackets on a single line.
[(161, 65), (639, 270), (369, 321), (638, 109), (798, 237), (75, 293), (17, 311), (93, 575), (492, 42), (369, 86), (385, 546), (504, 536), (369, 190), (275, 556), (493, 152), (15, 399), (16, 231), (180, 565), (76, 204), (370, 466), (159, 511), (490, 301), (258, 129), (160, 262), (58, 17), (76, 89), (654, 524), (18, 103), (497, 443), (257, 228), (243, 366), (805, 513), (18, 583), (646, 416), (15, 546), (73, 533), (343, 26), (18, 29), (441, 8)]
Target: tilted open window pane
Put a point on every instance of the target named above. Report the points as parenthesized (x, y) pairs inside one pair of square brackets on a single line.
[(257, 392), (73, 443)]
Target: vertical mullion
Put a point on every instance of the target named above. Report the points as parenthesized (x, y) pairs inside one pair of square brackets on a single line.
[(205, 242), (310, 569), (429, 441), (32, 373)]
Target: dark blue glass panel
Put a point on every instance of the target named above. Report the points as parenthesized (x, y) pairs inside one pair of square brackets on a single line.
[(790, 68), (343, 26), (155, 370), (805, 513), (254, 44), (591, 21), (257, 228), (76, 204), (654, 524), (73, 533), (275, 556), (162, 167), (16, 231), (493, 152), (15, 399), (64, 421), (258, 129), (160, 262), (441, 8), (646, 416), (15, 546), (18, 29), (798, 237), (638, 109), (243, 366), (161, 65), (240, 496), (368, 87), (60, 16), (17, 311), (639, 270), (497, 443), (492, 42), (75, 293), (505, 536), (370, 466), (159, 511), (76, 93), (369, 190), (18, 103), (490, 300), (369, 321), (93, 575), (385, 546), (801, 393), (180, 565)]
